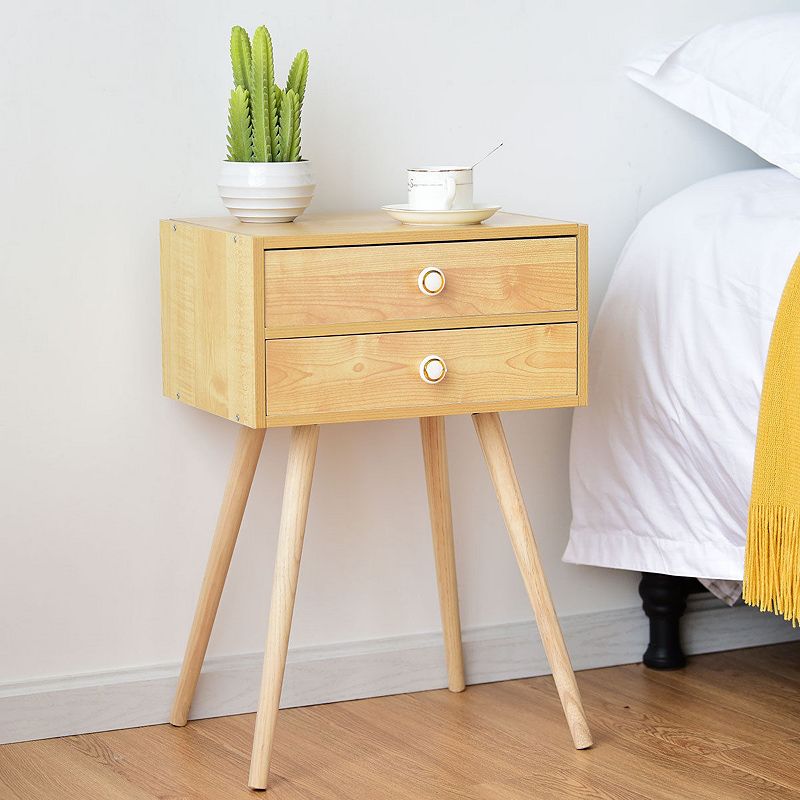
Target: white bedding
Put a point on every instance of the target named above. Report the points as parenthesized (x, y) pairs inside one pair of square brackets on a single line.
[(661, 459)]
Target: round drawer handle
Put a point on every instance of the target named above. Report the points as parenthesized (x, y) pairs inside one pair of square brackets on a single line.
[(431, 281), (432, 369)]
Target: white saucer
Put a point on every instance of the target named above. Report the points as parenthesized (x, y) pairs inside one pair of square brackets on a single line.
[(463, 216)]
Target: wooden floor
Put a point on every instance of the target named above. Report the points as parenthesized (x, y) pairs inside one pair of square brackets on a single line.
[(727, 727)]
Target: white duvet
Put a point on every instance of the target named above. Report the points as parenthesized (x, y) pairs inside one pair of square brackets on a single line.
[(662, 458)]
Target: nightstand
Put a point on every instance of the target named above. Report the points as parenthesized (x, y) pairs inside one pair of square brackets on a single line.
[(355, 317)]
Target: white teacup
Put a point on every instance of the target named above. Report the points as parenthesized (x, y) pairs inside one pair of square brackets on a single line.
[(440, 188)]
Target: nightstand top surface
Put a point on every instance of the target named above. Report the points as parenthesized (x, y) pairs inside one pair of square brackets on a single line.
[(376, 227)]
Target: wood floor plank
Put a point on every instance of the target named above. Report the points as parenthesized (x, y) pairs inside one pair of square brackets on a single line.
[(530, 747), (738, 683), (640, 754), (780, 661), (355, 755), (52, 770), (774, 761), (786, 653), (6, 792), (459, 747), (723, 729), (702, 724), (181, 762), (608, 767)]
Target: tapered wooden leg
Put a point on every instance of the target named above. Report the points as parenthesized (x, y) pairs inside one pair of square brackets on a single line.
[(296, 494), (498, 459), (434, 451), (240, 479)]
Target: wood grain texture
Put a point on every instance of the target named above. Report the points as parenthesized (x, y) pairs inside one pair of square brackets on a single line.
[(437, 481), (656, 740), (780, 693), (342, 230), (509, 495), (296, 495), (237, 490), (327, 279), (377, 376), (318, 291), (583, 314), (432, 409), (212, 317)]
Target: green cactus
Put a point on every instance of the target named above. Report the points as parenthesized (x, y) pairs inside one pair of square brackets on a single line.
[(290, 127), (278, 102), (298, 75), (262, 98), (263, 120), (241, 57), (240, 135)]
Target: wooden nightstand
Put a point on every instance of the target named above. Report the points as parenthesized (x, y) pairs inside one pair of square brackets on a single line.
[(355, 317)]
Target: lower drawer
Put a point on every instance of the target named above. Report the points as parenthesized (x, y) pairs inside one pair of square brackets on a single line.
[(379, 375)]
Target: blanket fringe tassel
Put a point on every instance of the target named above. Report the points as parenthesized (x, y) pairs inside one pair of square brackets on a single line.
[(772, 561)]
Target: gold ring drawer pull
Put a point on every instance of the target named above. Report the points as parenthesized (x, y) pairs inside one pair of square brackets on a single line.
[(431, 281), (432, 369)]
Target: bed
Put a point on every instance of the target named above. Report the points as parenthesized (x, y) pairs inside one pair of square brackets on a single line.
[(662, 458)]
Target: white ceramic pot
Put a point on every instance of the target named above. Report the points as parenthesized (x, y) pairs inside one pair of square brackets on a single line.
[(277, 191)]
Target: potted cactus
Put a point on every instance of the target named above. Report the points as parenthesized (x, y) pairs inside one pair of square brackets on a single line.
[(264, 178)]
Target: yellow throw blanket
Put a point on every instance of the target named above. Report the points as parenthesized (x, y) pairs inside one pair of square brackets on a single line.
[(772, 557)]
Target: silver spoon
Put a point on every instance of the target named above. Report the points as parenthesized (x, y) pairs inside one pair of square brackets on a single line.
[(493, 150)]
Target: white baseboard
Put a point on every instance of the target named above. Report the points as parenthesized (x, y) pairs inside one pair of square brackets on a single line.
[(40, 709)]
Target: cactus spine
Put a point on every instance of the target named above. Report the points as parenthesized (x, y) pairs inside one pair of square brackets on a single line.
[(263, 120)]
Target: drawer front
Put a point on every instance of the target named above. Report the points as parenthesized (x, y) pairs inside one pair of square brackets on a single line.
[(336, 289), (372, 376)]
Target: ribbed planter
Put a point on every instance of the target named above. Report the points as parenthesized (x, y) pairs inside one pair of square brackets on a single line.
[(276, 191)]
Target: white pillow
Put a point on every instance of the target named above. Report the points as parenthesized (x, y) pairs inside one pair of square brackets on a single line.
[(741, 77)]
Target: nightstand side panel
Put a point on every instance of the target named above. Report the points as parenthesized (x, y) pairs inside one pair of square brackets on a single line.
[(212, 318)]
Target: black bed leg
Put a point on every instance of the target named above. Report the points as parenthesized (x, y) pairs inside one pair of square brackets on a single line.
[(664, 601)]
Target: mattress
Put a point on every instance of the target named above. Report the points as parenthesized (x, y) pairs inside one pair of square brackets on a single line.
[(661, 460)]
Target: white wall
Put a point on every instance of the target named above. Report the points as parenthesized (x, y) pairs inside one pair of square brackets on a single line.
[(114, 116)]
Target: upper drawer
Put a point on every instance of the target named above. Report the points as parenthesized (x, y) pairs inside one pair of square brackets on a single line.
[(363, 289)]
